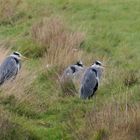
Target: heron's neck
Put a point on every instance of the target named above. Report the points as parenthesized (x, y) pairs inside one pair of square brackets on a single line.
[(15, 58), (96, 73)]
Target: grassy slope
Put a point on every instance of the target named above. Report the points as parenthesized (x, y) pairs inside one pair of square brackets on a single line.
[(112, 31)]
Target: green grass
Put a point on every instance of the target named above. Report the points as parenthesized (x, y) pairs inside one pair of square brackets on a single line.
[(112, 31)]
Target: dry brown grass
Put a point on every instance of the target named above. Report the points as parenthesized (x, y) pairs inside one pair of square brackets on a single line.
[(130, 78), (46, 31), (116, 118), (61, 58), (5, 126), (112, 121), (8, 9), (3, 53), (59, 43), (53, 32)]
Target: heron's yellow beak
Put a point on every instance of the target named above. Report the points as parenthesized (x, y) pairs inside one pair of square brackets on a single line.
[(102, 67), (24, 58), (106, 66)]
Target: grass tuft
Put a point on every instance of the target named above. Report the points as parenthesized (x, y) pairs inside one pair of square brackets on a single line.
[(131, 78), (57, 41), (8, 11)]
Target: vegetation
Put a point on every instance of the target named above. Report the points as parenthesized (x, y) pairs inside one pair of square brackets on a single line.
[(54, 34)]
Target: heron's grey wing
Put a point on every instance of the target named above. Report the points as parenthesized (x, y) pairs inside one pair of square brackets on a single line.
[(67, 74), (66, 82), (8, 69), (89, 84)]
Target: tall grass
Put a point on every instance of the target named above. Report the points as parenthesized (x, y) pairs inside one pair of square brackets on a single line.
[(60, 43), (8, 10), (111, 120), (3, 53), (116, 121), (6, 127)]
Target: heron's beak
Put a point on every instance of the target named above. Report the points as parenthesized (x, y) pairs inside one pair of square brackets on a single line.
[(102, 67), (24, 58), (105, 66)]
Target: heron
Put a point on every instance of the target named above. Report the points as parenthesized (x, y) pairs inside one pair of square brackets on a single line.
[(91, 79), (71, 70), (69, 75), (10, 67)]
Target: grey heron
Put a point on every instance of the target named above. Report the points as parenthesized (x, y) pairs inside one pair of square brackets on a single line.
[(10, 67), (71, 70), (68, 75), (90, 81)]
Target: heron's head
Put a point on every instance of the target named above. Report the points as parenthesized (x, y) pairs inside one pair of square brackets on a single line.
[(97, 64), (79, 63), (17, 55)]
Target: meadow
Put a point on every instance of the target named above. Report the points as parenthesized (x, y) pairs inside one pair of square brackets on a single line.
[(54, 34)]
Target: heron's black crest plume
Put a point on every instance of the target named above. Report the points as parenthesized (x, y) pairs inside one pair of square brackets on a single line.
[(16, 53), (98, 63), (79, 63)]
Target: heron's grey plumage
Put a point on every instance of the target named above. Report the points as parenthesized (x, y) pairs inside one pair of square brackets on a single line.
[(69, 76), (90, 81), (71, 71), (89, 84), (9, 68)]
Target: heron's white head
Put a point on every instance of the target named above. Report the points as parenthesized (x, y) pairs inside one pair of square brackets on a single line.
[(16, 55), (79, 63), (97, 64)]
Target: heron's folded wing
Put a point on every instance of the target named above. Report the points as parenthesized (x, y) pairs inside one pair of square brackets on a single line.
[(8, 69), (89, 83)]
